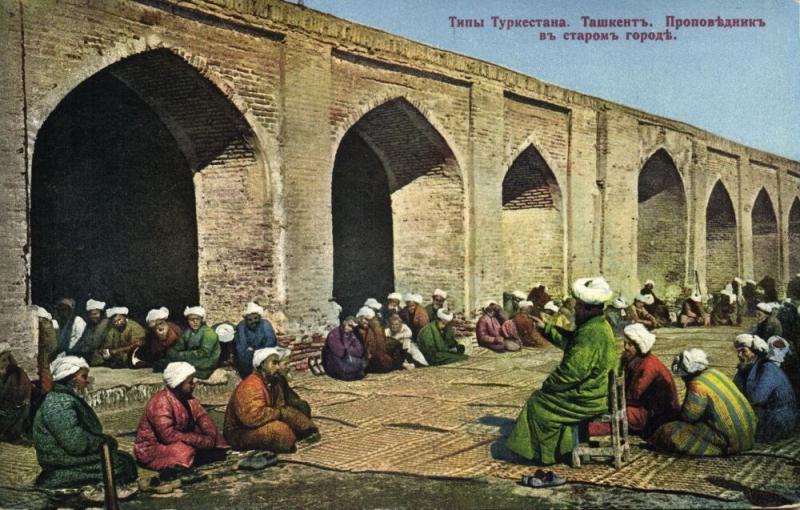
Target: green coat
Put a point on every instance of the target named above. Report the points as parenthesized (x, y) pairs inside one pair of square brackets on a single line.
[(199, 348), (435, 345), (68, 435), (576, 391), (120, 344)]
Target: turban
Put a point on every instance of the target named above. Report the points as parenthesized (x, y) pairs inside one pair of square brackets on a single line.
[(261, 354), (690, 362), (696, 297), (489, 303), (752, 342), (252, 308), (373, 303), (738, 280), (765, 307), (225, 332), (283, 353), (116, 310), (639, 335), (787, 301), (409, 297), (619, 303), (439, 292), (647, 299), (64, 366), (441, 314), (751, 282), (650, 282), (42, 313), (395, 296), (778, 349), (94, 305), (519, 294), (67, 301), (366, 312), (177, 372), (592, 291), (157, 314), (416, 298), (551, 307), (194, 310), (523, 304)]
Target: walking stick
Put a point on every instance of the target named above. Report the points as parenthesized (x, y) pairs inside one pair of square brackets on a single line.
[(109, 488)]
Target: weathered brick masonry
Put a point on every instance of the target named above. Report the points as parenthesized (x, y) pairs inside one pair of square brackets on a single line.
[(469, 176)]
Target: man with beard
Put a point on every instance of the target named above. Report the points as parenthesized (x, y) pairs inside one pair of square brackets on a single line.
[(693, 313), (414, 315), (437, 303), (198, 345), (47, 344), (258, 416), (529, 334), (285, 375), (15, 398), (71, 326), (438, 343), (768, 324), (383, 355), (401, 333), (253, 333), (122, 338), (657, 308), (343, 356), (95, 332), (393, 303), (577, 390), (176, 433), (638, 312), (161, 336)]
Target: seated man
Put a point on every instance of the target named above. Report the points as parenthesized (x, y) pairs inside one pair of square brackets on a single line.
[(723, 312), (539, 297), (437, 303), (657, 308), (693, 313), (47, 344), (437, 341), (793, 288), (226, 332), (290, 396), (616, 316), (122, 338), (563, 316), (786, 313), (638, 312), (161, 336), (198, 345), (71, 326), (716, 419), (376, 307), (393, 303), (15, 398), (529, 334), (749, 292), (769, 289), (253, 333), (383, 355), (343, 356), (768, 324), (650, 394), (577, 390), (414, 315), (94, 333), (68, 435), (175, 432), (401, 333), (760, 378), (258, 416), (488, 330)]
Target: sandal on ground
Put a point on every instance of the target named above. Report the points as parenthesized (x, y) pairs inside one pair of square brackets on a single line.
[(542, 479), (258, 461), (312, 365), (320, 366)]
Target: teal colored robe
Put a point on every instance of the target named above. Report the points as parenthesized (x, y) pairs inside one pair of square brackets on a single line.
[(576, 391), (435, 345), (199, 348)]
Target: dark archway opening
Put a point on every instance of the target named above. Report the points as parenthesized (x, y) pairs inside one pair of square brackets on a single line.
[(722, 261), (766, 248), (794, 237)]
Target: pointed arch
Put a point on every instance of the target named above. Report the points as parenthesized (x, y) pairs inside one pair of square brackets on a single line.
[(794, 237), (722, 259), (766, 244)]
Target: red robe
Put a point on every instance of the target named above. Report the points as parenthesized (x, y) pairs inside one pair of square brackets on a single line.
[(415, 321), (163, 439)]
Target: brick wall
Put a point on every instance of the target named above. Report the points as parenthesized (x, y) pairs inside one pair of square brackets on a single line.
[(794, 238), (721, 252), (766, 251)]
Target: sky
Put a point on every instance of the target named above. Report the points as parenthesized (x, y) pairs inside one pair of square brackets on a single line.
[(739, 83)]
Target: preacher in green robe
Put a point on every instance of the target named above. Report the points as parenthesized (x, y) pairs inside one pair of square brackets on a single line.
[(198, 345), (577, 390), (437, 341)]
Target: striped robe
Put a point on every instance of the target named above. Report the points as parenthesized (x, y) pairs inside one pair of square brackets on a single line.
[(716, 419)]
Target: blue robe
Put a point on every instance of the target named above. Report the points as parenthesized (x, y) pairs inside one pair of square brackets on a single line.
[(247, 341), (767, 388)]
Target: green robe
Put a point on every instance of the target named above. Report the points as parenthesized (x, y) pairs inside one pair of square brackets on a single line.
[(199, 348), (435, 345), (576, 391), (120, 344), (68, 436)]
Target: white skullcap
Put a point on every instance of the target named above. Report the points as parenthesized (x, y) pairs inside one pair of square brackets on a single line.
[(395, 296), (439, 292), (157, 314), (366, 312), (523, 304), (177, 372), (409, 297), (65, 366), (639, 335), (489, 303), (752, 282), (647, 299), (116, 310), (416, 298), (252, 308), (42, 313), (261, 354), (778, 349), (765, 307), (731, 296), (753, 342), (787, 301), (649, 282), (551, 307), (690, 362), (738, 280), (696, 297), (94, 305), (194, 310), (619, 302), (519, 294), (225, 332), (592, 291), (441, 314), (373, 303)]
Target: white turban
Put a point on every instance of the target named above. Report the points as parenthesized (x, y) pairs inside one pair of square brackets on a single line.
[(42, 313), (416, 298), (252, 308), (409, 297), (395, 296), (94, 305), (489, 303), (65, 366), (751, 282), (373, 303), (753, 342), (157, 314), (738, 280), (592, 291), (519, 294), (261, 354), (225, 332), (650, 282), (639, 335), (194, 310), (690, 362), (619, 303), (778, 349), (283, 353), (116, 310), (177, 372), (765, 307), (366, 312), (523, 304), (550, 306), (696, 297), (441, 314), (787, 301), (439, 292), (647, 299)]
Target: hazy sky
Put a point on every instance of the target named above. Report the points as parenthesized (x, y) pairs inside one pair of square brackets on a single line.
[(740, 83)]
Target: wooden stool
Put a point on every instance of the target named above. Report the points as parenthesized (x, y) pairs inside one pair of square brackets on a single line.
[(618, 417)]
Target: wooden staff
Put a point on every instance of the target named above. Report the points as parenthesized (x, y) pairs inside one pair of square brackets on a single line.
[(109, 488)]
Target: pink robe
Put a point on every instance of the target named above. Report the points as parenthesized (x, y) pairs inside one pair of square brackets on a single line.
[(162, 440)]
